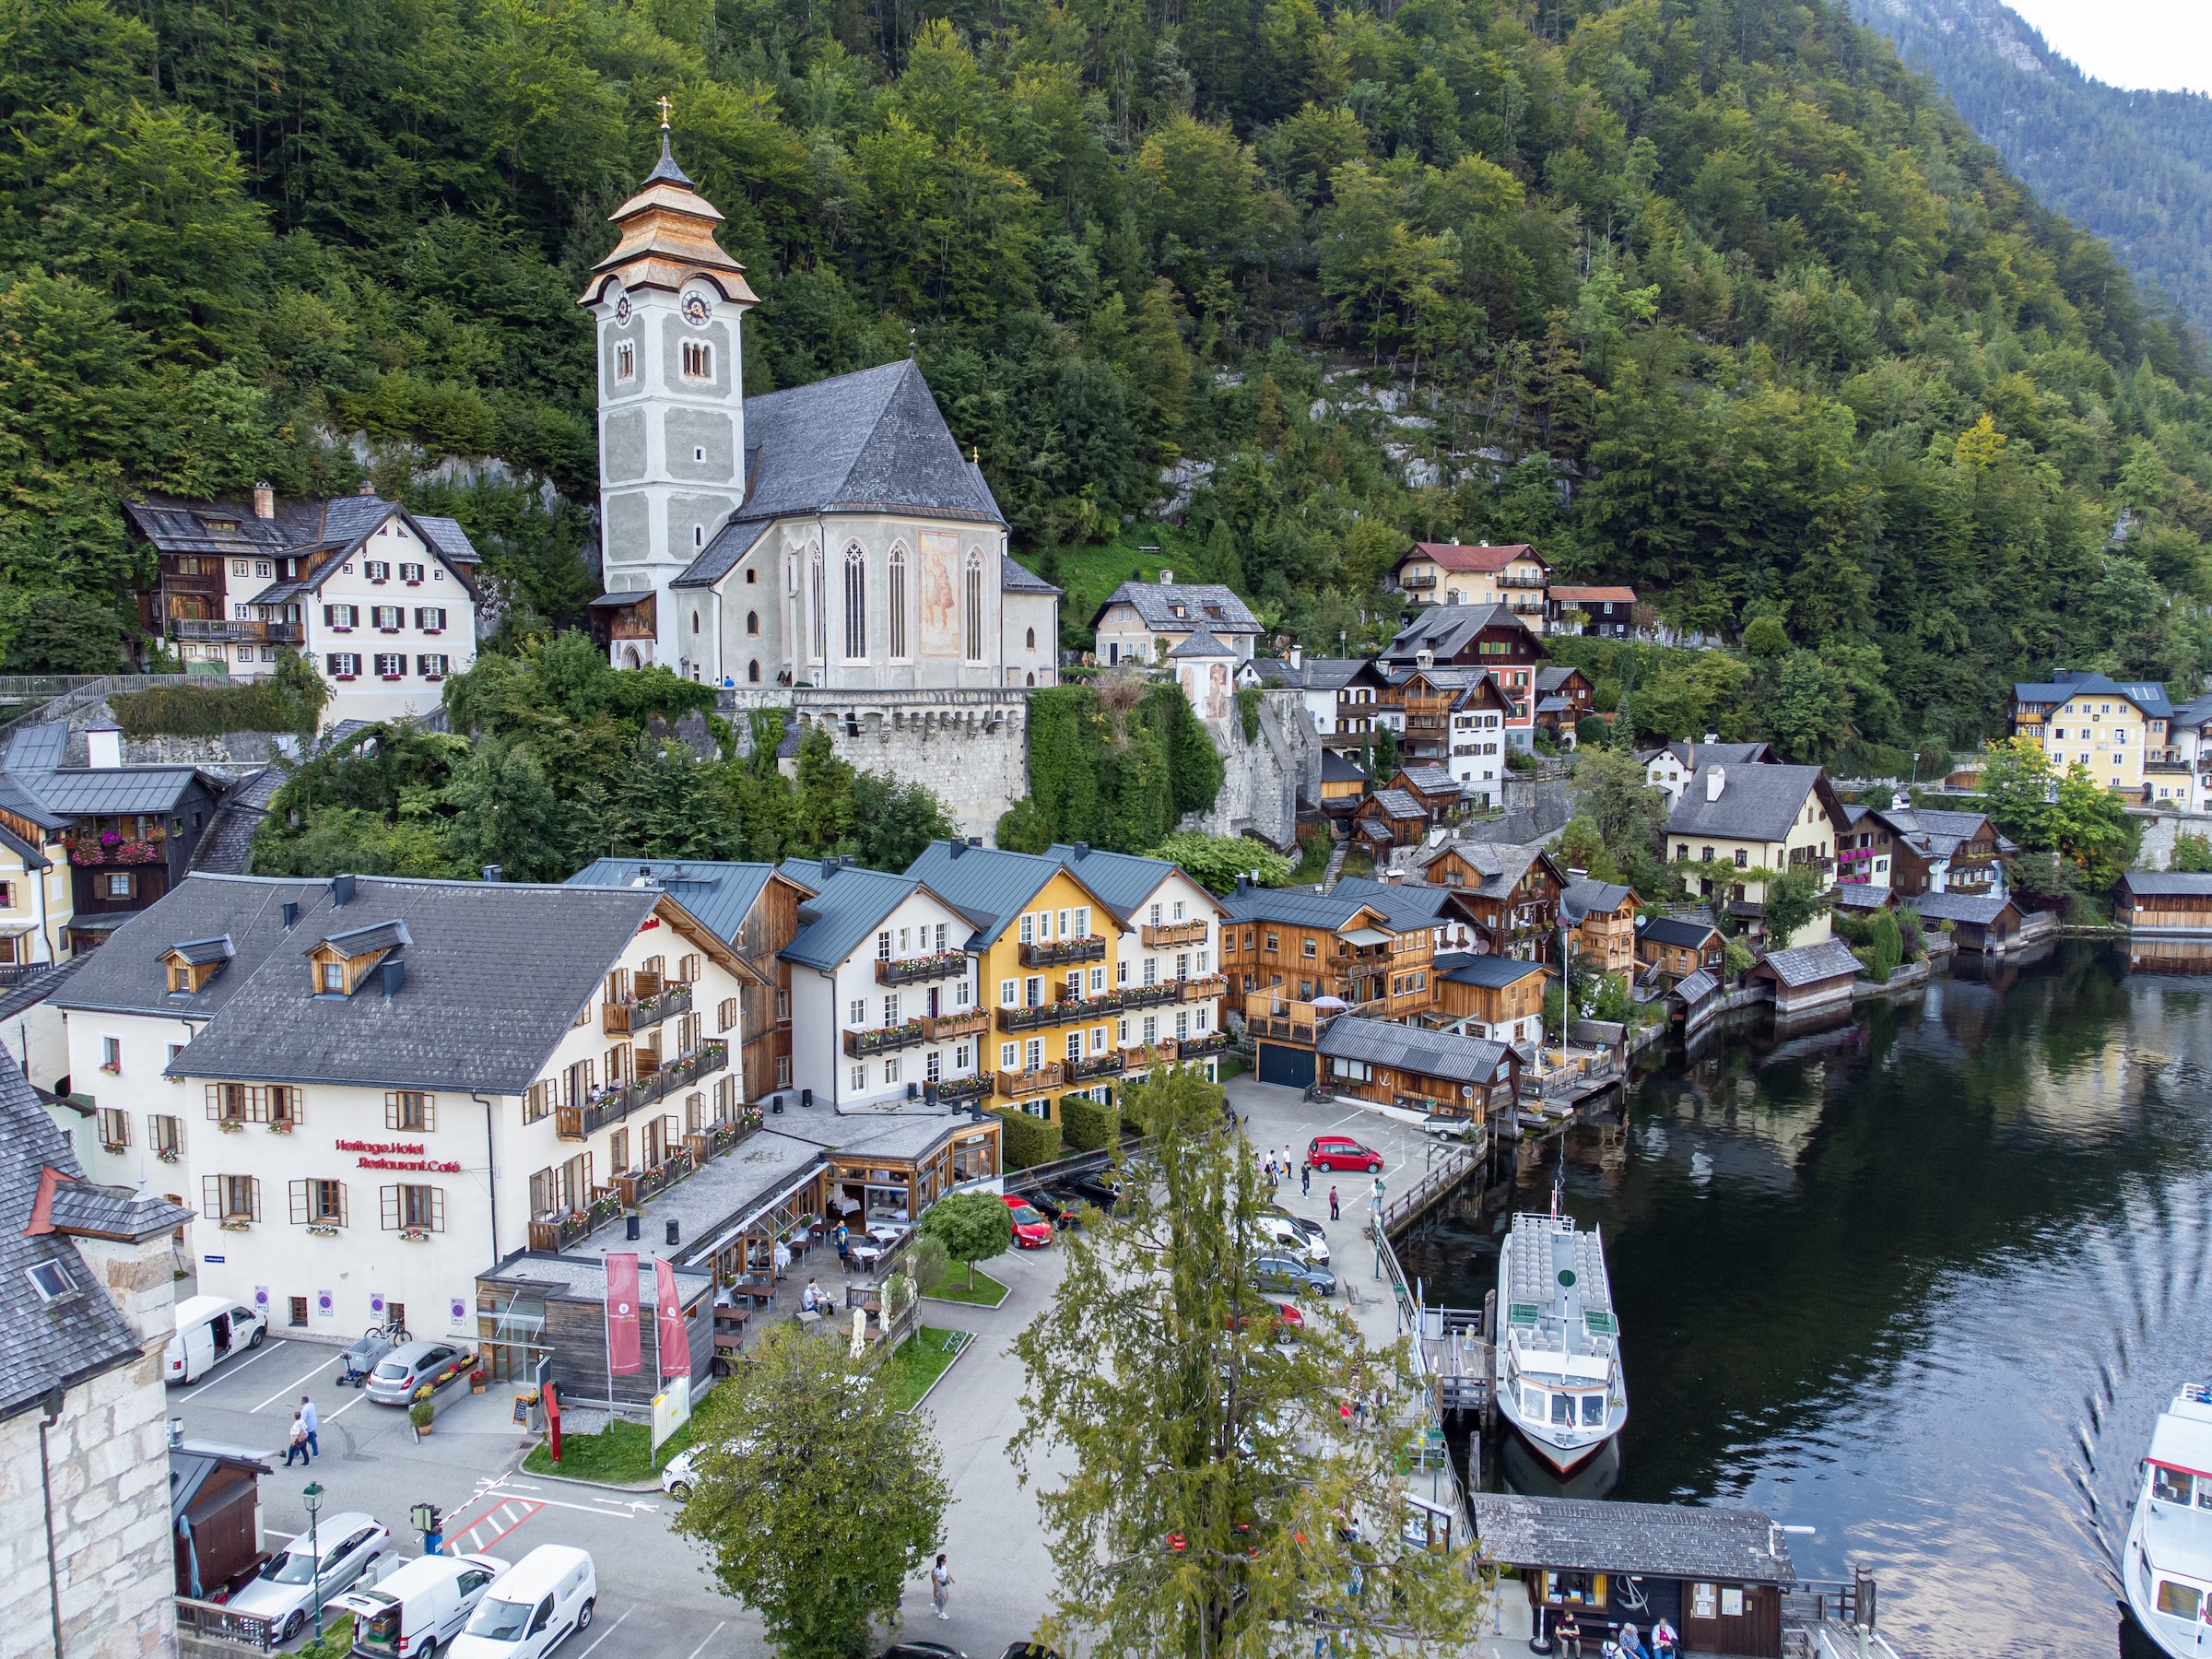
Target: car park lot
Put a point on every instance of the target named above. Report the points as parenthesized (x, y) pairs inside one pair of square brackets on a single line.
[(655, 1599)]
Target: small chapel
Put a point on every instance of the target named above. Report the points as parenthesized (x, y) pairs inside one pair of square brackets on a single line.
[(829, 535)]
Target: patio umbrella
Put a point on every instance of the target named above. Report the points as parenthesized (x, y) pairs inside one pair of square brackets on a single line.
[(1331, 1002)]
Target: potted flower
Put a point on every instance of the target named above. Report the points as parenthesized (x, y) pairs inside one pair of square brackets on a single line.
[(478, 1379), (422, 1414)]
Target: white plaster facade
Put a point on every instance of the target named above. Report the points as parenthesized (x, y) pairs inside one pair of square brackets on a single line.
[(387, 627)]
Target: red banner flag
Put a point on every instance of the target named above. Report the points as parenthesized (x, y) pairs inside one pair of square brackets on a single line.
[(671, 1340), (622, 1313)]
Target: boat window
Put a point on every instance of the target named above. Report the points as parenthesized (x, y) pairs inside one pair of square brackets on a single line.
[(1594, 1410), (1563, 1409), (2204, 1494), (2170, 1486), (1531, 1404), (2180, 1600)]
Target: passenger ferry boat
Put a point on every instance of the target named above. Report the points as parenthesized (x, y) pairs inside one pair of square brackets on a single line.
[(1559, 1382), (2167, 1567)]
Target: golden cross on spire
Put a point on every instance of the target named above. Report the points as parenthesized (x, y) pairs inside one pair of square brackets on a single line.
[(665, 107)]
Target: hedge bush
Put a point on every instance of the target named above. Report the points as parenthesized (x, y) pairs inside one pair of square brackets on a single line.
[(194, 712), (1088, 1127), (1028, 1140)]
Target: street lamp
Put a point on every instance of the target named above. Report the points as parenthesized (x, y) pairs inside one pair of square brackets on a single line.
[(314, 1495)]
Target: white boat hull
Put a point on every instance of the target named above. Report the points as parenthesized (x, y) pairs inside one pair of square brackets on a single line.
[(1566, 1450), (2181, 1638)]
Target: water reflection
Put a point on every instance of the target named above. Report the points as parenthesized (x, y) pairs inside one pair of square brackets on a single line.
[(1923, 1281)]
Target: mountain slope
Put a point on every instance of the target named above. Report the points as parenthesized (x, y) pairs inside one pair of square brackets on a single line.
[(2134, 167)]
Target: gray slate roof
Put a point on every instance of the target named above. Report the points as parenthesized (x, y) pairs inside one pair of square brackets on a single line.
[(1659, 1540), (1674, 930), (1294, 907), (1449, 630), (1397, 803), (1209, 604), (228, 846), (1409, 1048), (1465, 967), (495, 974), (1976, 909), (1337, 766), (82, 1335), (1310, 673), (1552, 679), (1757, 803), (718, 894), (36, 987), (1860, 894), (1202, 643), (1410, 905), (2170, 883), (1808, 964), (1581, 898), (1501, 865), (1016, 578), (870, 441), (1432, 781), (1694, 988)]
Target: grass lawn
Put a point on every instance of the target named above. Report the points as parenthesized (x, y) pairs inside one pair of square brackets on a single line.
[(920, 1360), (953, 1287), (1090, 572), (620, 1454)]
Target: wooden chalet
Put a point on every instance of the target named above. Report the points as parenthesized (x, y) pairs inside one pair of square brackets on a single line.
[(1496, 998), (1810, 977), (1510, 892), (2165, 901), (1342, 784), (1391, 817), (1435, 1073), (1601, 924), (1985, 922), (1445, 801), (1563, 698), (1676, 947)]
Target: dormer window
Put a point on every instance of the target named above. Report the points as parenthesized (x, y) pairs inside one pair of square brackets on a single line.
[(339, 964), (333, 978), (191, 964)]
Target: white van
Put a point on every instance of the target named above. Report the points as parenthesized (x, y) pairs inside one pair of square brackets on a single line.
[(209, 1330), (417, 1609), (538, 1601)]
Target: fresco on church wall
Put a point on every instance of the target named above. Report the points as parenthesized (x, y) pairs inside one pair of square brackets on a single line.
[(940, 594)]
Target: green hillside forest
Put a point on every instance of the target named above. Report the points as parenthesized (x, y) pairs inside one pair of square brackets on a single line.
[(2135, 167), (1708, 295)]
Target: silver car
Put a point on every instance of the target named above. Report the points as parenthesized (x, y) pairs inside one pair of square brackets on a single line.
[(284, 1590), (403, 1370)]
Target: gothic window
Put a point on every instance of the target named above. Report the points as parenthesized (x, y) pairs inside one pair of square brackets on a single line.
[(698, 361), (695, 622), (821, 629), (975, 596), (1032, 638), (752, 624), (898, 604), (699, 536), (752, 672), (856, 604)]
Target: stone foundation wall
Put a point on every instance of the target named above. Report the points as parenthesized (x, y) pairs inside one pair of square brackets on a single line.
[(1265, 780), (970, 747)]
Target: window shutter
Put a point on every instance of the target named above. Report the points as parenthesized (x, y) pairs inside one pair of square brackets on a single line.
[(345, 1215), (253, 1196), (390, 1196), (391, 1112), (437, 1209), (211, 1197), (298, 1196)]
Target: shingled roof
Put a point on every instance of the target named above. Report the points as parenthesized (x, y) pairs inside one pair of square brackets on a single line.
[(870, 441), (1456, 556), (1756, 803), (1809, 964), (1413, 1049), (1658, 1540), (1209, 605), (1581, 898)]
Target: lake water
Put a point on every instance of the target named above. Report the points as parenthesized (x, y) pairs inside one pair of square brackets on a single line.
[(1923, 1282)]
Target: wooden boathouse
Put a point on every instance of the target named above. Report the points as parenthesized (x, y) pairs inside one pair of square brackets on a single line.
[(2171, 902)]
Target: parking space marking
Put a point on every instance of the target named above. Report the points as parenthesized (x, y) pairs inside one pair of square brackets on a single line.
[(306, 1376), (226, 1376), (605, 1634), (349, 1404), (711, 1635)]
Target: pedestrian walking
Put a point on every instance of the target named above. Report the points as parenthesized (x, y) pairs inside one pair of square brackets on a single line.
[(1334, 1214), (940, 1586), (845, 1248), (1305, 1178), (312, 1421), (297, 1446)]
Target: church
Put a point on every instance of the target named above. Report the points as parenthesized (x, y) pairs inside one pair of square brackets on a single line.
[(829, 535)]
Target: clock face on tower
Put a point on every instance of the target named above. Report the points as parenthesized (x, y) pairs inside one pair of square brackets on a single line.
[(622, 308), (696, 309)]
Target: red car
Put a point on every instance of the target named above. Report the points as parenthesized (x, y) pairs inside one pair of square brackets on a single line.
[(1341, 1152), (1031, 1230)]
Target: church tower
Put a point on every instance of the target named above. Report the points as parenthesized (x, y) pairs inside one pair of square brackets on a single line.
[(669, 304)]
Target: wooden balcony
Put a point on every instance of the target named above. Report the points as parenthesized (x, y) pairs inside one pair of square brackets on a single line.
[(958, 1091), (1061, 953), (1412, 580), (1199, 988), (912, 971), (646, 1012), (1147, 1055), (944, 1027), (1198, 1048), (1016, 1085), (267, 634), (636, 1187), (882, 1041), (1108, 1064), (1167, 935)]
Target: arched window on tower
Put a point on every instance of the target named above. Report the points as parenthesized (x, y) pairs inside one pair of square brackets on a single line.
[(752, 625), (752, 672), (856, 604), (975, 596), (896, 615), (1031, 639)]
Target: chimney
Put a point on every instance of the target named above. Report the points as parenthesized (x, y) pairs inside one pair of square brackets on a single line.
[(395, 975), (291, 917), (492, 872), (1424, 658), (644, 877), (104, 748), (975, 841), (1243, 884), (341, 891), (1712, 736), (1166, 579), (1716, 780), (1298, 656), (954, 849), (264, 501), (830, 868), (367, 487), (1082, 850)]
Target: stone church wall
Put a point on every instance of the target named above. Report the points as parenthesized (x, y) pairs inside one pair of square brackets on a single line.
[(970, 747)]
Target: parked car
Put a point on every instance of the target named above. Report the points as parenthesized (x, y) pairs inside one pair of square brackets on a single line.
[(1095, 1189), (1058, 1211), (1031, 1230), (418, 1610), (403, 1370), (209, 1330), (1283, 1234), (1446, 1126), (1312, 1230), (921, 1650), (1290, 1276), (547, 1594), (680, 1475), (284, 1589), (1341, 1152)]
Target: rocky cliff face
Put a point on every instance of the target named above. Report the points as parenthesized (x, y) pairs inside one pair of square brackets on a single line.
[(1267, 778)]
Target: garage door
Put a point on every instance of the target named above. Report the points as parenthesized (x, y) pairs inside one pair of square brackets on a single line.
[(1292, 1067)]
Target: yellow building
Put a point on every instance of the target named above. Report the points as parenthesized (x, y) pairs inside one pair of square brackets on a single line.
[(35, 901), (2112, 728), (1093, 965), (1753, 819)]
